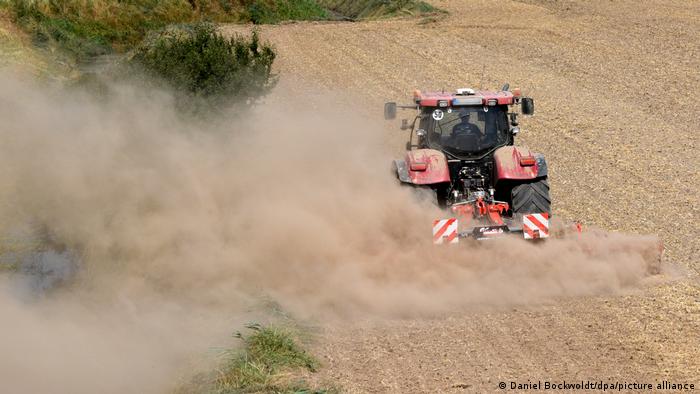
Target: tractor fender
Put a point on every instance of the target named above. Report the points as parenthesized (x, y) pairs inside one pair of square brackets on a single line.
[(423, 167), (518, 163)]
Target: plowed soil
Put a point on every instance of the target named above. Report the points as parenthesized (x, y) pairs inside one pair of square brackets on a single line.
[(615, 85)]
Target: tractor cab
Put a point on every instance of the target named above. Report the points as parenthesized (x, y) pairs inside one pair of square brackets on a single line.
[(464, 132), (467, 124)]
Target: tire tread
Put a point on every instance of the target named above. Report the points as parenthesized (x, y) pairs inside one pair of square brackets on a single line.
[(531, 197)]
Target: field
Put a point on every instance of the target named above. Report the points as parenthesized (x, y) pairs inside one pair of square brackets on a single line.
[(191, 230), (618, 131)]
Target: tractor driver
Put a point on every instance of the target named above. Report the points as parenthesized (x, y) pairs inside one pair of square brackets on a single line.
[(465, 135)]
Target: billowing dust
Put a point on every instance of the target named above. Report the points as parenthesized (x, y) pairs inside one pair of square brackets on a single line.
[(181, 225)]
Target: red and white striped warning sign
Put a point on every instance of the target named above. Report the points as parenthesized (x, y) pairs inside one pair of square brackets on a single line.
[(536, 225), (445, 231)]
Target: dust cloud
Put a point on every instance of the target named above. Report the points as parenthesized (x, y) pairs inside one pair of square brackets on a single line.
[(182, 225)]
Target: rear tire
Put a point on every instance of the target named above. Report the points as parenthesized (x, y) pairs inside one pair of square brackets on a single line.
[(441, 193), (531, 197)]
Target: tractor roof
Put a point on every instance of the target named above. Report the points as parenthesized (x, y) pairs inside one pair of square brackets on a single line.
[(465, 96)]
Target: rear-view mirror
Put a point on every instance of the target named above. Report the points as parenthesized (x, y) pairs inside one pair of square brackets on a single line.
[(527, 105), (389, 111)]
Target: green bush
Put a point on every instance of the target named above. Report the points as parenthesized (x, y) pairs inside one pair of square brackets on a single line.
[(200, 63)]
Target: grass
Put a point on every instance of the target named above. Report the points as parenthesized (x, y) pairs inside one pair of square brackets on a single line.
[(86, 29), (266, 363), (89, 28), (17, 51), (271, 12), (373, 9)]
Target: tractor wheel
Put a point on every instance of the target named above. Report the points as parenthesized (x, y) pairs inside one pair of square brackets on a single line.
[(531, 197), (441, 193)]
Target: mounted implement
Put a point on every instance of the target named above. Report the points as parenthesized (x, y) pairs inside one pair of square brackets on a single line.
[(461, 148)]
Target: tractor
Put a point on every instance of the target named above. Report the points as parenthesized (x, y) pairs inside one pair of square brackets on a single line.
[(461, 147)]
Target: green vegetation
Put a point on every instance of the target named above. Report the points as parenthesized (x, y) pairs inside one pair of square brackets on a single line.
[(203, 68), (370, 9), (200, 63), (89, 28), (17, 51), (263, 365), (85, 29), (275, 11)]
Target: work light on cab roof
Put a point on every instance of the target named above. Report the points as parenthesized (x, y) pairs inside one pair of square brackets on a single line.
[(466, 96)]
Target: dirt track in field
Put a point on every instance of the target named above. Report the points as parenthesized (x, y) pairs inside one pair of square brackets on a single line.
[(615, 89)]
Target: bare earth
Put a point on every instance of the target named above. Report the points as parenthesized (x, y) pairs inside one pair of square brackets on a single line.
[(616, 88)]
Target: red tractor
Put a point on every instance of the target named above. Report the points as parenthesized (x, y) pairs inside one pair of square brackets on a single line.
[(461, 147)]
